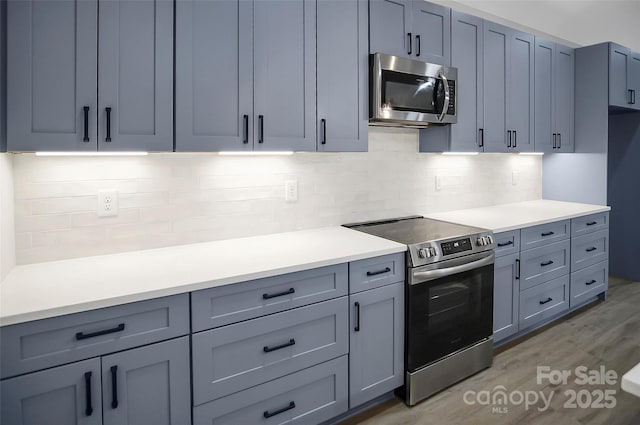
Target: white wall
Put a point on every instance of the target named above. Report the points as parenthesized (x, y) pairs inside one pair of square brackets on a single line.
[(7, 241), (168, 199)]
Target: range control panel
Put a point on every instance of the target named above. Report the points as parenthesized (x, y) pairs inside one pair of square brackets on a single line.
[(454, 247)]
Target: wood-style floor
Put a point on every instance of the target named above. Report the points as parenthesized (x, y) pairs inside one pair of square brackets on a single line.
[(605, 333)]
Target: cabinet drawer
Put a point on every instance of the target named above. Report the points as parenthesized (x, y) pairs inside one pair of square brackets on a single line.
[(544, 263), (45, 343), (589, 223), (310, 396), (543, 301), (507, 242), (239, 356), (588, 282), (211, 308), (544, 234), (374, 272), (589, 249)]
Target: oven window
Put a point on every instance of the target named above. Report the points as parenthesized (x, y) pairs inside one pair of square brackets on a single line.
[(406, 92), (448, 314)]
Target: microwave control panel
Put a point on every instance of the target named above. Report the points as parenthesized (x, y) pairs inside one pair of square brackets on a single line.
[(452, 97)]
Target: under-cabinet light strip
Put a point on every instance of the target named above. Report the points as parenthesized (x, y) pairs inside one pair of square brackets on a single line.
[(91, 153)]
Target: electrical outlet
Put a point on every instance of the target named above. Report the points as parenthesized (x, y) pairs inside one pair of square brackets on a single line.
[(107, 203), (291, 190)]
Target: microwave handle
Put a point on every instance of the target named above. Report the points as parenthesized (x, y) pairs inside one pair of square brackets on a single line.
[(445, 108)]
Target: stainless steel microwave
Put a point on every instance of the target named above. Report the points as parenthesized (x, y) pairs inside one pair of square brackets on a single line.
[(409, 93)]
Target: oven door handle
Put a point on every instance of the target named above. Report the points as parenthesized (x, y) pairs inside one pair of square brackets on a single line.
[(420, 277)]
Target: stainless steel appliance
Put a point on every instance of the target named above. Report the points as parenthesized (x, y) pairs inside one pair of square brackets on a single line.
[(448, 302), (409, 93)]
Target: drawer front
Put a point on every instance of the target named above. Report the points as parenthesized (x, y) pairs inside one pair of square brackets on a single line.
[(239, 356), (589, 223), (507, 243), (211, 308), (544, 234), (310, 396), (589, 282), (45, 343), (543, 301), (375, 272), (589, 249), (548, 262)]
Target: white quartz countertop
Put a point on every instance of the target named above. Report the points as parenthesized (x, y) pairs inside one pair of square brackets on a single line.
[(504, 217), (44, 290), (631, 381)]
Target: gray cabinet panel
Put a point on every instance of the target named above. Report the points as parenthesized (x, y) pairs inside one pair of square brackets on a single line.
[(589, 249), (496, 63), (228, 304), (619, 58), (49, 342), (3, 77), (544, 263), (342, 54), (310, 396), (389, 28), (544, 301), (634, 78), (564, 104), (285, 75), (589, 223), (214, 75), (136, 75), (544, 96), (544, 234), (431, 25), (51, 75), (376, 362), (520, 92), (588, 282), (507, 242), (57, 396), (506, 296), (375, 272), (239, 356), (152, 385)]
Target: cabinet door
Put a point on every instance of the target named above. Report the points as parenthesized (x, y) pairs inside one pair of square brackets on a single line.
[(68, 394), (342, 75), (136, 75), (51, 75), (148, 385), (431, 24), (376, 363), (496, 61), (618, 79), (466, 55), (545, 138), (285, 75), (520, 104), (634, 79), (390, 27), (564, 104), (506, 296), (214, 75)]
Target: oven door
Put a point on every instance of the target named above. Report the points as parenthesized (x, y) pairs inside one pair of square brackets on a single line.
[(449, 307)]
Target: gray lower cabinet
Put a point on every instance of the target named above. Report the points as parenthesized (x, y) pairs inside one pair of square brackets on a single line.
[(589, 282), (589, 249), (376, 343), (506, 296), (545, 263), (148, 385), (62, 395), (375, 272), (544, 301)]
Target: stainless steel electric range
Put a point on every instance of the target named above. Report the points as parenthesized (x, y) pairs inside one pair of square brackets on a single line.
[(448, 300)]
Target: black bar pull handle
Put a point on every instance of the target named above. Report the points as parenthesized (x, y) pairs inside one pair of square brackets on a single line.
[(114, 387), (85, 138), (386, 270), (633, 97), (268, 414), (509, 137), (507, 243), (590, 249), (555, 145), (356, 327), (409, 36), (81, 335), (108, 111), (559, 140), (268, 349), (630, 93), (591, 282), (417, 45), (481, 131), (517, 269), (261, 128), (545, 234), (245, 129), (323, 125), (88, 411), (278, 294), (515, 138), (548, 300), (546, 263), (592, 223)]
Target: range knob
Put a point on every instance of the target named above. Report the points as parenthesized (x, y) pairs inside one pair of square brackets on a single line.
[(481, 241), (489, 240), (422, 253), (432, 252)]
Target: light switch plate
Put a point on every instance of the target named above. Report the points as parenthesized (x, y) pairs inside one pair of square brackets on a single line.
[(291, 190)]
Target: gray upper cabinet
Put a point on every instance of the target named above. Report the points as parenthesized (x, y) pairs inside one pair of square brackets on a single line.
[(554, 97), (52, 75), (506, 296), (62, 395), (520, 105), (624, 77), (342, 38), (411, 29), (496, 64), (214, 75), (3, 77)]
